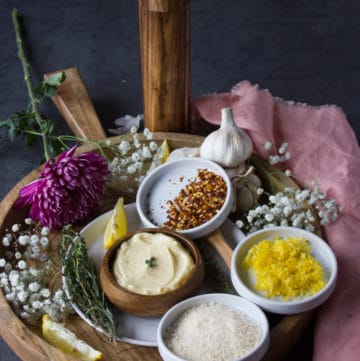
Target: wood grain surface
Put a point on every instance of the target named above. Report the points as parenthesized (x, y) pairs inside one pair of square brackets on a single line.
[(165, 64), (72, 100)]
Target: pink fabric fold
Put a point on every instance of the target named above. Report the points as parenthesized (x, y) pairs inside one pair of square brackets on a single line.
[(323, 148)]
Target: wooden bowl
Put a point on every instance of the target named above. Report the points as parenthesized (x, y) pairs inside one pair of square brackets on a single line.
[(150, 305)]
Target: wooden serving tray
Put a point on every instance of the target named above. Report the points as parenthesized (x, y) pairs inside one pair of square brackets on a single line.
[(26, 341)]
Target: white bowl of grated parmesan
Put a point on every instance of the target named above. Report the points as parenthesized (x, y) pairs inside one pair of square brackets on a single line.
[(213, 327), (284, 270)]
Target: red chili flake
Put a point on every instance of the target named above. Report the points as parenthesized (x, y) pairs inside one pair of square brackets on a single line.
[(198, 202)]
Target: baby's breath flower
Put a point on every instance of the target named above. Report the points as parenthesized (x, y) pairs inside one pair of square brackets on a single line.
[(37, 305), (135, 157), (239, 223), (146, 153), (137, 143), (4, 282), (274, 159), (2, 262), (133, 130), (23, 240), (153, 146), (15, 227), (131, 169), (44, 241), (138, 165), (268, 145), (6, 241), (14, 277), (45, 292), (45, 231), (288, 173), (148, 134), (269, 217), (124, 146), (22, 296), (34, 239), (34, 287), (10, 296), (282, 148), (28, 221), (22, 265)]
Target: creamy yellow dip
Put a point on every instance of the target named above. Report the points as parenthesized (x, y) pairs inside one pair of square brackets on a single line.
[(171, 264)]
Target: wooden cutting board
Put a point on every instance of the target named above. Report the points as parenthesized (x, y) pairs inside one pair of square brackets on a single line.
[(75, 105)]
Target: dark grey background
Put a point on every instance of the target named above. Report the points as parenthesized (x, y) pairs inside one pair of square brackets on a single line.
[(307, 51)]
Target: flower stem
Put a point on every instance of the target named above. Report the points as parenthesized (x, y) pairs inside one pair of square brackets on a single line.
[(28, 81)]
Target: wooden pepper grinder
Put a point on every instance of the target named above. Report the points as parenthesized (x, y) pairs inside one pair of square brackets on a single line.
[(165, 62)]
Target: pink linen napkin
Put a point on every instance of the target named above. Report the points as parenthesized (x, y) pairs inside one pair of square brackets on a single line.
[(323, 148)]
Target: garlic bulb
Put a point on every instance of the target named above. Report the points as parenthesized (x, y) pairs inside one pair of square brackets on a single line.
[(246, 195), (246, 184), (228, 146)]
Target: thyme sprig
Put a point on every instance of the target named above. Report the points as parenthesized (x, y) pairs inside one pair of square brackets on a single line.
[(151, 262), (82, 282)]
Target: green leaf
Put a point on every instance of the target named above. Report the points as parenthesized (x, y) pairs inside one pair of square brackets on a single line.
[(55, 79), (47, 87), (30, 139)]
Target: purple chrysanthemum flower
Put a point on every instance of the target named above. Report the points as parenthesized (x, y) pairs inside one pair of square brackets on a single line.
[(68, 189)]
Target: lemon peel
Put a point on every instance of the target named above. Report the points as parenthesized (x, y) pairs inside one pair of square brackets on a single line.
[(117, 225), (166, 151), (62, 338)]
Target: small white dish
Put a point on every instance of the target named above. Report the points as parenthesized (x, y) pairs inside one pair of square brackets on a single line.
[(243, 279), (165, 182), (238, 303)]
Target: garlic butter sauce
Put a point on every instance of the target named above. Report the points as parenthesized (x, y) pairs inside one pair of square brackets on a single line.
[(152, 264)]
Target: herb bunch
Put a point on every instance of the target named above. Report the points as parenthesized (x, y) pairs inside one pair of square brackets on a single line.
[(82, 284)]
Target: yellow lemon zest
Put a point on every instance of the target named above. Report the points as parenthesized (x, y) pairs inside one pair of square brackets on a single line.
[(285, 268)]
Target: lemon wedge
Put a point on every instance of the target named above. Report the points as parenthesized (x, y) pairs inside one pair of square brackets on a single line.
[(117, 225), (59, 336), (166, 151)]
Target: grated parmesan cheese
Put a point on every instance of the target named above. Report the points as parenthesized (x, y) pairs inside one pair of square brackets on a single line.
[(285, 268), (213, 332)]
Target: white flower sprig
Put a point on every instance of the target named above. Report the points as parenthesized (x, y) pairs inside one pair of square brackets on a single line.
[(302, 208), (293, 207), (281, 155), (28, 274), (135, 158)]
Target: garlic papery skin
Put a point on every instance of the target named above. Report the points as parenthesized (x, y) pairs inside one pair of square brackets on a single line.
[(229, 145), (185, 152)]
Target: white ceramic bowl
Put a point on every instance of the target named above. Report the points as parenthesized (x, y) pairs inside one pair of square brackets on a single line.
[(243, 280), (166, 181), (233, 301)]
